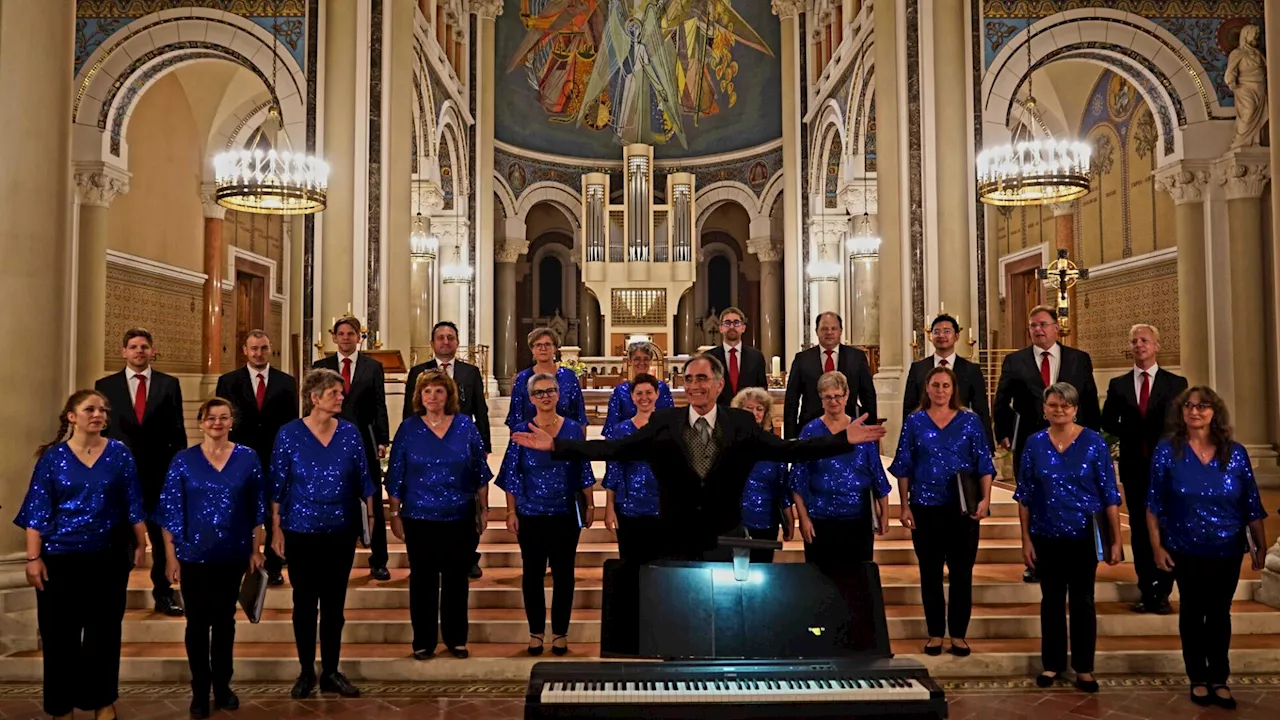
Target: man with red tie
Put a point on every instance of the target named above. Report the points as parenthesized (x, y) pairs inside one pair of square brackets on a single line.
[(744, 366), (146, 415), (1018, 412), (265, 399), (365, 405), (802, 403), (1137, 407)]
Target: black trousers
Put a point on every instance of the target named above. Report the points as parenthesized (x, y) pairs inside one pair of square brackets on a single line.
[(640, 539), (1154, 583), (945, 536), (319, 567), (1205, 586), (440, 554), (548, 539), (1067, 567), (160, 587), (211, 613), (79, 614), (840, 545), (771, 533), (378, 531)]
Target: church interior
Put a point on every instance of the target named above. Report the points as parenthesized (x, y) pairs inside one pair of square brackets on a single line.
[(623, 171)]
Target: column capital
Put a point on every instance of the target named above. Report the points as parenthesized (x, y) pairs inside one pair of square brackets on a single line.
[(1185, 182), (1243, 172), (487, 9), (99, 183), (788, 9), (765, 249), (861, 199), (828, 228), (1063, 208), (209, 202), (508, 250), (428, 198)]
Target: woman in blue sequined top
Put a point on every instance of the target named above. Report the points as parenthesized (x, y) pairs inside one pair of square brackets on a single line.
[(1204, 512), (212, 509), (766, 499), (544, 514), (1068, 507), (82, 511), (544, 343), (438, 485), (621, 405), (834, 497), (938, 441), (631, 510), (320, 487)]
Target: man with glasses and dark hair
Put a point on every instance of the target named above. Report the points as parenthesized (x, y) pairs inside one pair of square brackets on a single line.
[(743, 366), (802, 403), (1019, 409), (971, 386)]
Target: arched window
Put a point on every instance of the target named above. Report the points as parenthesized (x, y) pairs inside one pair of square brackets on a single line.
[(719, 283), (550, 286)]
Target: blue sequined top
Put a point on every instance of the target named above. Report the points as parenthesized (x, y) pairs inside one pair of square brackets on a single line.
[(1062, 491), (543, 486), (635, 489), (436, 478), (320, 489), (1203, 509), (622, 407), (210, 513), (836, 488), (569, 403), (765, 492), (77, 509), (931, 456)]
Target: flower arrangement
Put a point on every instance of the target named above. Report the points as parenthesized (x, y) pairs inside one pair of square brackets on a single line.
[(578, 367)]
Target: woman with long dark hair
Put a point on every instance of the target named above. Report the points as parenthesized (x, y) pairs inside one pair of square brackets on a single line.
[(1203, 509), (82, 511)]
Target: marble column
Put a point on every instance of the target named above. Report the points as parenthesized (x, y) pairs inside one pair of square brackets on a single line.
[(424, 272), (338, 221), (1064, 218), (769, 324), (397, 135), (1270, 590), (683, 341), (486, 12), (504, 311), (794, 285), (589, 323), (891, 158), (37, 48), (864, 297), (1187, 184), (214, 267), (97, 184)]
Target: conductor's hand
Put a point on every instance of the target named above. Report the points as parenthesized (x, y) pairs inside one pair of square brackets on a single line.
[(857, 432), (535, 439)]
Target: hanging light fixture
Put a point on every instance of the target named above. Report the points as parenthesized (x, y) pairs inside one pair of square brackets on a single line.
[(422, 244), (821, 269), (459, 270), (864, 242), (1033, 172), (271, 182)]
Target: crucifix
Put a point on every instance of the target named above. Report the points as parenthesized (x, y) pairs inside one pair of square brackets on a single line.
[(1062, 274)]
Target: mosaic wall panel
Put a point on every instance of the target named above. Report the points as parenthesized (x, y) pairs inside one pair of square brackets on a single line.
[(171, 309), (1109, 306), (1210, 29)]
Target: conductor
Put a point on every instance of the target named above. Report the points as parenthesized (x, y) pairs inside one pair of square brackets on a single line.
[(701, 457)]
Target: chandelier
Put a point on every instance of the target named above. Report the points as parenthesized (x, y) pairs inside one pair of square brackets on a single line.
[(1033, 172), (821, 269), (864, 242), (457, 271), (422, 244)]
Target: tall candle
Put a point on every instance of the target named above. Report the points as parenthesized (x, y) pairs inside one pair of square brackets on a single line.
[(942, 307), (777, 365), (348, 308), (970, 335)]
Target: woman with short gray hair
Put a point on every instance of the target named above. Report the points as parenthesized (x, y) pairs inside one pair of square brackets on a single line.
[(544, 342)]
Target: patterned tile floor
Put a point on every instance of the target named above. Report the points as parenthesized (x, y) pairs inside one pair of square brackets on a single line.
[(1132, 698)]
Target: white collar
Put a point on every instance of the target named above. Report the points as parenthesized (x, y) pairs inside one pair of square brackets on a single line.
[(1151, 371), (951, 359), (835, 351), (131, 374), (353, 356), (710, 416), (728, 347), (1055, 351), (254, 373)]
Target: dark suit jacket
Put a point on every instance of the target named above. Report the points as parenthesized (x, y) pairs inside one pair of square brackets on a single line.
[(366, 405), (802, 403), (1020, 394), (695, 511), (470, 394), (256, 429), (751, 371), (1138, 434), (162, 432), (972, 389)]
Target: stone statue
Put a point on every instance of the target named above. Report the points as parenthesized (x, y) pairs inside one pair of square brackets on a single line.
[(1247, 77), (711, 328), (560, 326), (1269, 592)]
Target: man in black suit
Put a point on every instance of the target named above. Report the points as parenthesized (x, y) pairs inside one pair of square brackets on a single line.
[(701, 456), (265, 400), (146, 415), (743, 366), (971, 385), (802, 403), (364, 405), (1137, 408), (444, 344), (1024, 375)]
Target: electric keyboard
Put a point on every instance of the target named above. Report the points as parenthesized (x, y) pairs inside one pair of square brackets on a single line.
[(728, 689)]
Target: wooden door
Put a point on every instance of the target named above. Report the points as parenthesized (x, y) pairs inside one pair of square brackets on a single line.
[(250, 308)]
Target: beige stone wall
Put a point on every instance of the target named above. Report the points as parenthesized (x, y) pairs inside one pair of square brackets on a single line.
[(1109, 306), (168, 307)]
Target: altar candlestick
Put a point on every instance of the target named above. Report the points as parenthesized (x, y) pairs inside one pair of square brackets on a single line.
[(777, 365)]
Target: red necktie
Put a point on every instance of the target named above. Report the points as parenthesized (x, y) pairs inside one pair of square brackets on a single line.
[(346, 375), (445, 368), (830, 364), (1144, 395), (140, 398), (1044, 368), (942, 362), (733, 369), (261, 395)]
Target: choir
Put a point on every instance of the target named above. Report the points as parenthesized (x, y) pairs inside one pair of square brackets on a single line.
[(310, 498)]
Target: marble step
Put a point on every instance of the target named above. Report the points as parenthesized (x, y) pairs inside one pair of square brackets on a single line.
[(1006, 508)]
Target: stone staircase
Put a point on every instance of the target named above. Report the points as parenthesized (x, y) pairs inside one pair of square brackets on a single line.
[(1004, 632)]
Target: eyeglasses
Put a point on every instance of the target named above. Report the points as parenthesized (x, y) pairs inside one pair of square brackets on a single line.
[(1058, 406), (1042, 325), (544, 346), (545, 392), (1201, 406), (834, 398), (697, 379), (732, 323)]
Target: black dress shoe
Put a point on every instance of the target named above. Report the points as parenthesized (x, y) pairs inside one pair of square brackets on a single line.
[(423, 654), (1161, 607), (303, 687), (380, 573), (476, 573), (960, 650), (560, 650), (1141, 607), (933, 650), (336, 682), (1226, 702), (200, 708), (1204, 700), (225, 700), (1045, 680), (460, 652), (1089, 686), (1030, 576), (169, 607), (275, 579)]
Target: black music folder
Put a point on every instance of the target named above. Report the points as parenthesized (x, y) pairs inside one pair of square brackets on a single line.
[(1100, 530), (970, 490), (253, 591)]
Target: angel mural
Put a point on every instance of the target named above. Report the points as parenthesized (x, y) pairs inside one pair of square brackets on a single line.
[(646, 70)]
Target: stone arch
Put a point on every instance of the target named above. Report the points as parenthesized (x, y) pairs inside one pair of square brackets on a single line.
[(859, 116), (506, 198), (115, 75), (568, 276), (719, 193), (829, 121), (553, 193)]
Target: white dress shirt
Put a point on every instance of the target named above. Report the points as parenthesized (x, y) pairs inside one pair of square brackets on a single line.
[(266, 375), (132, 378), (835, 357), (728, 347), (1055, 360), (951, 360), (355, 357), (1151, 379), (441, 365), (710, 417)]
